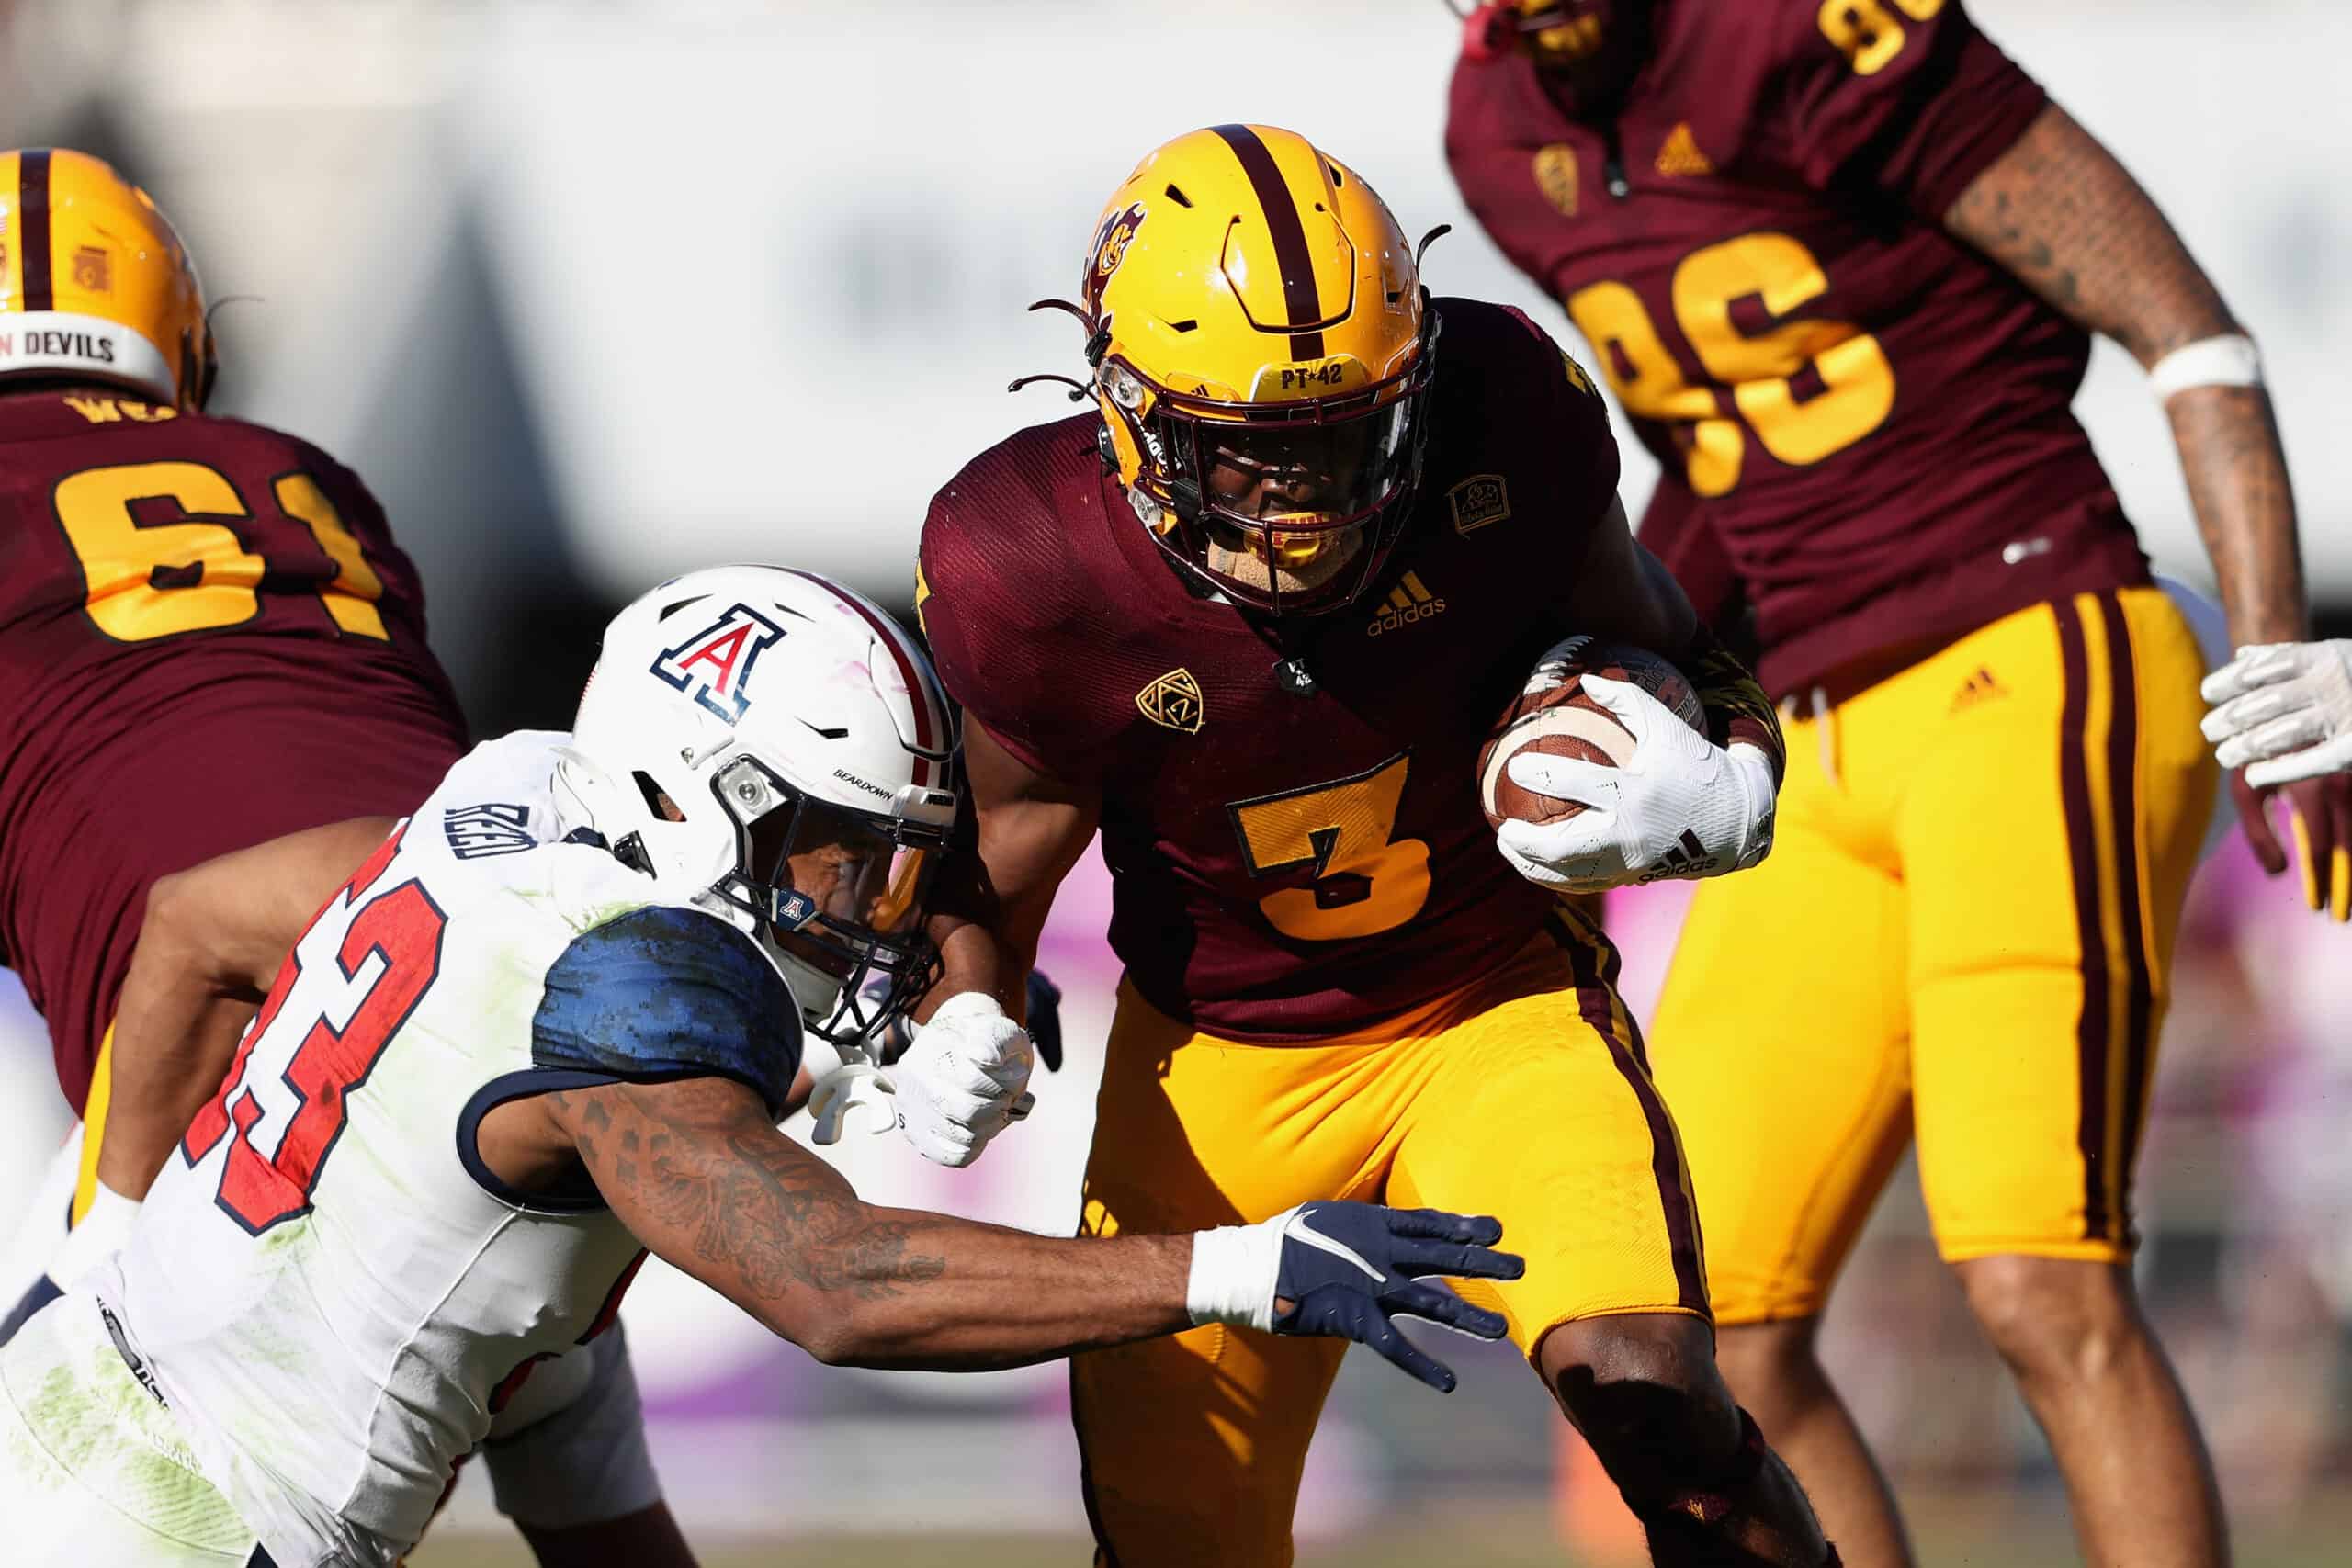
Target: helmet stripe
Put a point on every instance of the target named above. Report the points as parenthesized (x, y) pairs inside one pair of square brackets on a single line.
[(1292, 257), (32, 209), (928, 724)]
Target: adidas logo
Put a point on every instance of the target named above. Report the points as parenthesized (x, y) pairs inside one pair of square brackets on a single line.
[(1408, 601), (1680, 155), (1979, 687), (1687, 858)]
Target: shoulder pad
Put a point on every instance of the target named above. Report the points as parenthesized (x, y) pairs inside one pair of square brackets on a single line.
[(664, 992)]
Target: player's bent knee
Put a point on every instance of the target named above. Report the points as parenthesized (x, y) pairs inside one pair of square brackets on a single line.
[(1645, 1393), (2052, 1317)]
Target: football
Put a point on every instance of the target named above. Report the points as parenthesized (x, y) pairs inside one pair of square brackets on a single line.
[(1553, 715)]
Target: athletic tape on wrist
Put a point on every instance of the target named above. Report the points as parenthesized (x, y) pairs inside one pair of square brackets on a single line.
[(1232, 1274), (2230, 360)]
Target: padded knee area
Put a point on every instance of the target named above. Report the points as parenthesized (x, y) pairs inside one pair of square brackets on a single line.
[(1652, 1405)]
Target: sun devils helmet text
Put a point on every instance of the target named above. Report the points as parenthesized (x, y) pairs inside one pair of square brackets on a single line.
[(95, 285)]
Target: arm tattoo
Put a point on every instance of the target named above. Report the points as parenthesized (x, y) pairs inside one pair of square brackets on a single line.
[(750, 1201), (2061, 215)]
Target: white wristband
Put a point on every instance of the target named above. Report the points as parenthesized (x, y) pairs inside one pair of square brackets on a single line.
[(1234, 1271), (2230, 360)]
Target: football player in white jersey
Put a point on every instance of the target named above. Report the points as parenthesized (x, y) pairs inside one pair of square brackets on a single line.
[(550, 1024)]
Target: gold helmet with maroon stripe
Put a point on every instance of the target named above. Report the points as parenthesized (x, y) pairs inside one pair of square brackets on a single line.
[(1263, 353), (95, 285)]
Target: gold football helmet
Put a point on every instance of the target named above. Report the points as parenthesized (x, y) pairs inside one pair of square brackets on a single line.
[(1262, 351), (94, 286)]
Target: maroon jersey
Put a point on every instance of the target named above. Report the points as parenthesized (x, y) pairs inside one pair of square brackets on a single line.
[(208, 639), (1870, 418), (1285, 867)]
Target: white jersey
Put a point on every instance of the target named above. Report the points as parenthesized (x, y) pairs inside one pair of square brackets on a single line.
[(330, 1292)]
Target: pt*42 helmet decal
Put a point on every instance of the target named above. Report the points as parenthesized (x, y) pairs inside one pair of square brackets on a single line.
[(714, 666)]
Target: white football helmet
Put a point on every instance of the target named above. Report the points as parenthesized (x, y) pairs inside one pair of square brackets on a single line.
[(770, 747)]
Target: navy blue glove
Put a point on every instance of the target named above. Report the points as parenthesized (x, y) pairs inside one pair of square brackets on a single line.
[(1348, 1269), (1045, 1019)]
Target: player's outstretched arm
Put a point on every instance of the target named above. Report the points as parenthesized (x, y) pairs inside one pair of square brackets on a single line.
[(212, 938), (698, 1174), (2060, 214)]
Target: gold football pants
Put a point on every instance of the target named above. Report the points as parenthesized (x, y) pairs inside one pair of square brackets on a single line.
[(1525, 1097), (1965, 928)]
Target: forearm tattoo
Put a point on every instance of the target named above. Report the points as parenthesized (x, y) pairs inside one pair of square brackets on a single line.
[(2060, 214), (2246, 507), (2070, 222), (752, 1203)]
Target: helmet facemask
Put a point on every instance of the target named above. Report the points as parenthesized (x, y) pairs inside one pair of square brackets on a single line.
[(1290, 508), (839, 896)]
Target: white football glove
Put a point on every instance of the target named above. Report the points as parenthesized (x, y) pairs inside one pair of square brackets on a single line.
[(1682, 806), (2283, 711), (104, 1231), (963, 1080)]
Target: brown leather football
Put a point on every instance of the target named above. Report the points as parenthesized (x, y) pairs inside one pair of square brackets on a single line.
[(1552, 715)]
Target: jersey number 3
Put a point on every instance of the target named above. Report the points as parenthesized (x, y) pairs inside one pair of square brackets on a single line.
[(389, 955), (1366, 880)]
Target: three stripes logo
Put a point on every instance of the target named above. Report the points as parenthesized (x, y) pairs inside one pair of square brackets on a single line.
[(1408, 601), (1979, 687), (1685, 857), (1680, 155)]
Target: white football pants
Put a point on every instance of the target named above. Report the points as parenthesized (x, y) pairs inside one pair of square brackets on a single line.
[(93, 1472)]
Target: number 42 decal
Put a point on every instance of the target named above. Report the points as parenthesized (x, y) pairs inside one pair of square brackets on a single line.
[(389, 955)]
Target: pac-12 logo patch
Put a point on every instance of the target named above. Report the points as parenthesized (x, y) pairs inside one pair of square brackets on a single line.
[(715, 665), (1478, 501), (1173, 701)]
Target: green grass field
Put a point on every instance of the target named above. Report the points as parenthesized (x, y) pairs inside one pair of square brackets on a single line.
[(1993, 1530)]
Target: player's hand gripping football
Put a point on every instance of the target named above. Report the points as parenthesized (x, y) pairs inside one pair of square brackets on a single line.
[(1349, 1270), (2283, 714), (1682, 806)]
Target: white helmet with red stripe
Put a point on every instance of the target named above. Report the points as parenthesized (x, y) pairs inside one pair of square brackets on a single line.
[(772, 748)]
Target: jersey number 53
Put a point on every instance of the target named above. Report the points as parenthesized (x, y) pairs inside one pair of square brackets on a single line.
[(388, 957)]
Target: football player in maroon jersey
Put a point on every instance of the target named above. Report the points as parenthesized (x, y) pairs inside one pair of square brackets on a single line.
[(208, 639), (1841, 264), (207, 635), (1252, 615)]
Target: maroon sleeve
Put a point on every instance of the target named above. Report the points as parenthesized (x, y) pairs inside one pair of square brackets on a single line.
[(1579, 417), (989, 595), (1674, 528), (1917, 107)]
